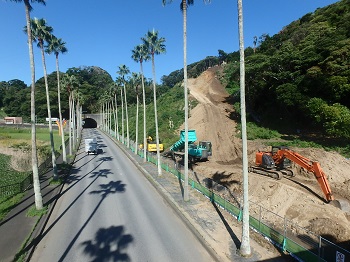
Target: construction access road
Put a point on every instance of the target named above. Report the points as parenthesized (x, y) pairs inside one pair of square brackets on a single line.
[(108, 211)]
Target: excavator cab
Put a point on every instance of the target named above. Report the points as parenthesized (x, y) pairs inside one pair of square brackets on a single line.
[(264, 160), (206, 145), (285, 162)]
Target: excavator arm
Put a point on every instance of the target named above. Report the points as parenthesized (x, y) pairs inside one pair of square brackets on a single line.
[(311, 166)]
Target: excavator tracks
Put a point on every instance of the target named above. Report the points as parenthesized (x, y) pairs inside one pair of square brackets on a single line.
[(287, 172), (271, 173), (277, 174)]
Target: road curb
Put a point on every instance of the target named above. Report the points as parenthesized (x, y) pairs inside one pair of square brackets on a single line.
[(41, 224), (182, 214), (43, 220)]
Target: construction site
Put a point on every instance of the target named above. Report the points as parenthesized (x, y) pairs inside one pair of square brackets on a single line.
[(308, 186)]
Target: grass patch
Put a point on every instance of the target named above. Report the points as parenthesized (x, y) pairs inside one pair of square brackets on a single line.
[(8, 203), (296, 143), (12, 135), (58, 181), (64, 168), (329, 144), (33, 212), (256, 132)]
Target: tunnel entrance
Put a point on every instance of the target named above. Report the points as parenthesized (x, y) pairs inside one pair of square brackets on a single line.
[(89, 123)]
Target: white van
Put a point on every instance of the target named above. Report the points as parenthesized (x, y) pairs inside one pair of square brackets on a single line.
[(91, 146)]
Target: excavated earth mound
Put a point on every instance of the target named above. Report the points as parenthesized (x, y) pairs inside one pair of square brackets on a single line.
[(298, 199)]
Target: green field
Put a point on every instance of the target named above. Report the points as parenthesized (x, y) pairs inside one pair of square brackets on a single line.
[(10, 136), (20, 139)]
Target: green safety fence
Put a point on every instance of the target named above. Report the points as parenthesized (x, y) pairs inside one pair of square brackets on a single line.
[(276, 237)]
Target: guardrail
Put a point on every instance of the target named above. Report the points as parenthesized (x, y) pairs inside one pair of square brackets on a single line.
[(299, 242)]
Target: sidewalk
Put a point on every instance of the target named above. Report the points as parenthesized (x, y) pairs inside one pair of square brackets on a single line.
[(16, 228)]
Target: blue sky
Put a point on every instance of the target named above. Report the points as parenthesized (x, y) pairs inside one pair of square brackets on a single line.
[(103, 33)]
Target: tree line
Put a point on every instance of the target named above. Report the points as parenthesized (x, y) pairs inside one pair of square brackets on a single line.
[(299, 79)]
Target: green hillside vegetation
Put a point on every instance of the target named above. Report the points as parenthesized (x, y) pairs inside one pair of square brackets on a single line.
[(170, 108), (300, 77)]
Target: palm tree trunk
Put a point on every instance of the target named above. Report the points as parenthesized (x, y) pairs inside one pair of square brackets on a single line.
[(245, 244), (137, 123), (116, 125), (103, 117), (113, 114), (74, 123), (70, 124), (108, 118), (78, 122), (121, 97), (52, 143), (64, 153), (144, 115), (36, 181), (156, 115), (127, 119), (186, 190)]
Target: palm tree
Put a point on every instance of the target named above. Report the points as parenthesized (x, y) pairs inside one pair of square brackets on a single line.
[(41, 32), (78, 115), (57, 46), (70, 82), (103, 102), (36, 182), (114, 108), (255, 41), (155, 46), (135, 80), (116, 119), (119, 83), (183, 6), (122, 72), (245, 243), (140, 54)]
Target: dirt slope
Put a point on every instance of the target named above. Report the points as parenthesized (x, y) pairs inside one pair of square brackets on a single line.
[(299, 201)]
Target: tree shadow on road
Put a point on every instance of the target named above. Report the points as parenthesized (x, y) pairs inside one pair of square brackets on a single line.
[(105, 190), (109, 244)]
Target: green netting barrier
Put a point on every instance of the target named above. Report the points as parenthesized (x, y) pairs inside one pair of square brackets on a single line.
[(300, 251)]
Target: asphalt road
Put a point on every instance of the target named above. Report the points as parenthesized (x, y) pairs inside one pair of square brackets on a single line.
[(108, 211)]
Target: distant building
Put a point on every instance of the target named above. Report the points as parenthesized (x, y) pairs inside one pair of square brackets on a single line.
[(13, 120)]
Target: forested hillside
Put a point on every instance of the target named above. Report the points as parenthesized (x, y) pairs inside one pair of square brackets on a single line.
[(300, 77), (93, 83)]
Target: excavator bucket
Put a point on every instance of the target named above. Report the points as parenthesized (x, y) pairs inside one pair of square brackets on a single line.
[(342, 204)]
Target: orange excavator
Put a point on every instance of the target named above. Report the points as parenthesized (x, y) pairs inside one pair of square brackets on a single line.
[(277, 162)]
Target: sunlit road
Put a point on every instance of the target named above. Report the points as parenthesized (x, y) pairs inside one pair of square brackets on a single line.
[(108, 211)]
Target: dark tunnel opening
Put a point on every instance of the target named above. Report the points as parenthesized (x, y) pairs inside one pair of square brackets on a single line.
[(89, 123)]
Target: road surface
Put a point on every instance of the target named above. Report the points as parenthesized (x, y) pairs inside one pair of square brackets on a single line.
[(108, 211)]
